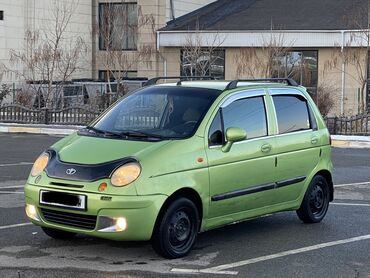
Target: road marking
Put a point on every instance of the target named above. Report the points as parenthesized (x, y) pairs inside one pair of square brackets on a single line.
[(13, 186), (349, 184), (16, 164), (15, 225), (11, 192), (197, 271), (221, 268), (351, 204)]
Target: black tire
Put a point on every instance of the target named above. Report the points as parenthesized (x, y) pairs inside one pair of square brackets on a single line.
[(316, 201), (58, 234), (176, 229)]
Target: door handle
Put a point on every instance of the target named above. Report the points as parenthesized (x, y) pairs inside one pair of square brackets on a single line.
[(314, 140), (265, 148)]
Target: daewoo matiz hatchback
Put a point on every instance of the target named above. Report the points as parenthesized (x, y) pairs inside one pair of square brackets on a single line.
[(172, 160)]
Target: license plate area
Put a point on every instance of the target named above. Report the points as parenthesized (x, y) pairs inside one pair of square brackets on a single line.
[(64, 200)]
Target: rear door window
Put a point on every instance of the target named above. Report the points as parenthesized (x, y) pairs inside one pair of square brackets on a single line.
[(292, 113)]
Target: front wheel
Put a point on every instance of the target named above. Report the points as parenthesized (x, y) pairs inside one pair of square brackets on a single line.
[(316, 201), (177, 229), (58, 234)]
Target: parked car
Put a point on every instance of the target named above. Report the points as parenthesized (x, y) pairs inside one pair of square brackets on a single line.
[(172, 160)]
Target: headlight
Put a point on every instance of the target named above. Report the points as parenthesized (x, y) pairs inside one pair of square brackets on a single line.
[(40, 164), (125, 174)]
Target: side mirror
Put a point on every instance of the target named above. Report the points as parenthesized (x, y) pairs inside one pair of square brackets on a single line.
[(233, 134)]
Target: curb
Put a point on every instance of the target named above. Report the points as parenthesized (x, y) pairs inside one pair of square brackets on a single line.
[(39, 129), (349, 141)]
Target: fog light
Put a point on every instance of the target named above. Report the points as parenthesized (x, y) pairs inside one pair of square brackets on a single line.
[(111, 225), (121, 224), (31, 212)]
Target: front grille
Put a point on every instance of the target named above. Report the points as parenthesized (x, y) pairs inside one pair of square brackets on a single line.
[(87, 222)]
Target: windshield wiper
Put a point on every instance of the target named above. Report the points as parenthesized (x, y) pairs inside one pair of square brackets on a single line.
[(124, 134), (136, 133), (99, 131)]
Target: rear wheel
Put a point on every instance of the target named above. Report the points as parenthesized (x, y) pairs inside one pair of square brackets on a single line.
[(58, 234), (176, 231), (316, 201)]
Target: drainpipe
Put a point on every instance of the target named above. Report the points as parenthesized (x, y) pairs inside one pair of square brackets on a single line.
[(164, 66), (160, 54), (172, 10), (343, 75)]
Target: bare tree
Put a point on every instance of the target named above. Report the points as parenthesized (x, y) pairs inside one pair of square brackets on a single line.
[(199, 55), (51, 54), (264, 61), (2, 71), (324, 97), (118, 28), (4, 92)]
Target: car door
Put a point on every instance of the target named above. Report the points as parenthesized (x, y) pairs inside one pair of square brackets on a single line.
[(242, 178), (297, 142)]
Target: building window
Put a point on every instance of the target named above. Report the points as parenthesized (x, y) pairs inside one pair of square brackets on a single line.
[(203, 62), (118, 23), (108, 75), (299, 65), (1, 15)]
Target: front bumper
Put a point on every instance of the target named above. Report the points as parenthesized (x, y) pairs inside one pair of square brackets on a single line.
[(140, 213)]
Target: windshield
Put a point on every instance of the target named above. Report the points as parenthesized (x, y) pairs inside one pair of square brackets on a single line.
[(160, 112)]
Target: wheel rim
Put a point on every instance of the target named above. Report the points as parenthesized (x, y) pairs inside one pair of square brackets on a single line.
[(319, 200), (181, 230)]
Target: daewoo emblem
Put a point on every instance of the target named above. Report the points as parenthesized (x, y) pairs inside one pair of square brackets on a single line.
[(71, 171)]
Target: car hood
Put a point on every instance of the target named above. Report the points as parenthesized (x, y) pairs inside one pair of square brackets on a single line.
[(94, 150)]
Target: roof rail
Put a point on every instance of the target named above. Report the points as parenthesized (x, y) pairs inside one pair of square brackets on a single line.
[(154, 80), (234, 84)]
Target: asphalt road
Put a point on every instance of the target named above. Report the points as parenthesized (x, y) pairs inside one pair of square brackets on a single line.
[(274, 246)]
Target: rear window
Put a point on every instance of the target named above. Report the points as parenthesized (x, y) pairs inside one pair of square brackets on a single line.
[(292, 113)]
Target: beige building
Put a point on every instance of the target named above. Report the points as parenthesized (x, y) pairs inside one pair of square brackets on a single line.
[(321, 44), (18, 17), (129, 43)]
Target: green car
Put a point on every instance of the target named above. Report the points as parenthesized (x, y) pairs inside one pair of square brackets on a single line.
[(172, 160)]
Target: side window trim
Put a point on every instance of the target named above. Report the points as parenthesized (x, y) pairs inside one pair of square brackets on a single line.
[(222, 126), (313, 121), (242, 95)]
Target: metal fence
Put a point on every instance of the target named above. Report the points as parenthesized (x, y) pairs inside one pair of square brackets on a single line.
[(355, 125), (69, 116), (79, 115)]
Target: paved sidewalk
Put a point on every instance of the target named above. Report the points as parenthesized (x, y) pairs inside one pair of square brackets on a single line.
[(340, 141)]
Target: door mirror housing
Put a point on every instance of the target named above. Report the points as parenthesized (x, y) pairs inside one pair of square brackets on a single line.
[(233, 134)]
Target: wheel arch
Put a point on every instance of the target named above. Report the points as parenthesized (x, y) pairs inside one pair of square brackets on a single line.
[(327, 175), (188, 193)]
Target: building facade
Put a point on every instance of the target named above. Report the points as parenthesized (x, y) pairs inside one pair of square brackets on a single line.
[(323, 45), (18, 17), (315, 43)]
